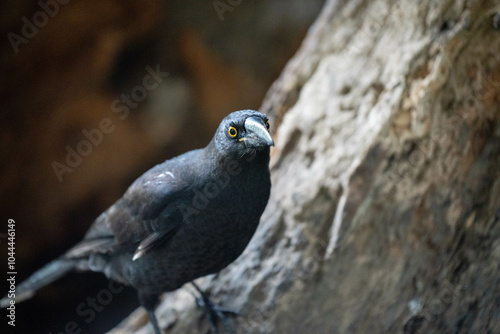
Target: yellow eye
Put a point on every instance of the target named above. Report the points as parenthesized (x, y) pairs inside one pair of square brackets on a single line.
[(267, 125), (232, 131)]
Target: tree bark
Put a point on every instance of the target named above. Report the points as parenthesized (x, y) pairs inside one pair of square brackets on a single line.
[(385, 207)]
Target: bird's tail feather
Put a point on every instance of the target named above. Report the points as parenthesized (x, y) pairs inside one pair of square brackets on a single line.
[(42, 277)]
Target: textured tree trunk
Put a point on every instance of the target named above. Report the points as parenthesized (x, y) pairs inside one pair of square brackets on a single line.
[(384, 215)]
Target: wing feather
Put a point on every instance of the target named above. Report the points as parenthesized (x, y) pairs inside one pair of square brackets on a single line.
[(148, 213)]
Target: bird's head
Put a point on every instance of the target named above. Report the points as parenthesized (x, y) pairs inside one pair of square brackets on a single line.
[(243, 132)]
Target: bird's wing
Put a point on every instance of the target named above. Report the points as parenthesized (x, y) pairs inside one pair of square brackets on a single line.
[(146, 216), (154, 200), (101, 238)]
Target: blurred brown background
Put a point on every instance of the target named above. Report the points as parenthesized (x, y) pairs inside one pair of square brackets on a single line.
[(67, 68)]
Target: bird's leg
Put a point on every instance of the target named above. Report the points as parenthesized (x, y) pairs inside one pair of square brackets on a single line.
[(154, 321), (149, 303), (214, 312)]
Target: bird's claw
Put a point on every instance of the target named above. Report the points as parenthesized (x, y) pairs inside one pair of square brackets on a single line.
[(215, 313)]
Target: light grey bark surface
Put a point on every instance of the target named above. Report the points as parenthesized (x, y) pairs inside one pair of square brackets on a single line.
[(384, 215)]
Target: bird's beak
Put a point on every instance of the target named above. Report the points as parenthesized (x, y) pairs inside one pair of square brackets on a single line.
[(256, 133)]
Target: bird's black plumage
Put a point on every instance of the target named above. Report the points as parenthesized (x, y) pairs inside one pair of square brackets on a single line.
[(185, 218)]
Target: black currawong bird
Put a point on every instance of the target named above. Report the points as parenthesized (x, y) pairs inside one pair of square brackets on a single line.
[(185, 218)]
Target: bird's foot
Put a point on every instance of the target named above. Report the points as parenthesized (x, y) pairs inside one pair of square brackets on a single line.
[(215, 313), (154, 322)]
